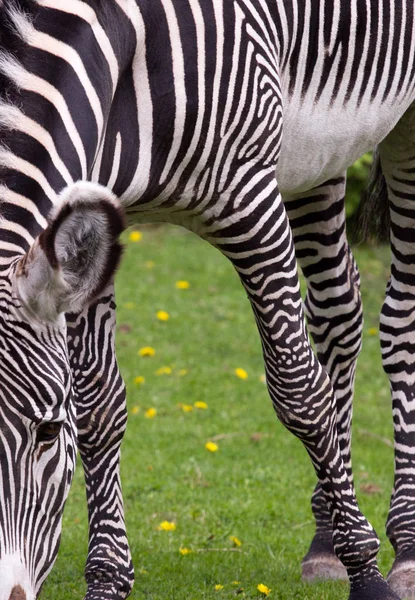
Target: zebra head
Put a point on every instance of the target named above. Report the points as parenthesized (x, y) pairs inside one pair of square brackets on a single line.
[(66, 267)]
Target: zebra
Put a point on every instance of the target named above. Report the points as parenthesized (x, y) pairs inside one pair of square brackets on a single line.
[(202, 113)]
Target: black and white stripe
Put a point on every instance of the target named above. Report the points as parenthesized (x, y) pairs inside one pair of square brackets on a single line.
[(186, 111)]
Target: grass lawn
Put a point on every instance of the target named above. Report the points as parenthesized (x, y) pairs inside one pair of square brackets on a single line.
[(257, 486)]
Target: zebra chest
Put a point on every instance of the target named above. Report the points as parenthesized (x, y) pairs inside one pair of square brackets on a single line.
[(320, 143)]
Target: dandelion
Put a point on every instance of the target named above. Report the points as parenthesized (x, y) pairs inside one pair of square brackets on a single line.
[(129, 305), (150, 264), (135, 236), (186, 408), (263, 589), (182, 285), (182, 372), (185, 551), (164, 371), (236, 583), (162, 315), (211, 446), (146, 351), (139, 380), (167, 526), (201, 405), (150, 413), (218, 587), (235, 541), (135, 410), (372, 331), (241, 373)]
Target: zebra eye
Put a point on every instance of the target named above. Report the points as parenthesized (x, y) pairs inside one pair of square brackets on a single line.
[(47, 432)]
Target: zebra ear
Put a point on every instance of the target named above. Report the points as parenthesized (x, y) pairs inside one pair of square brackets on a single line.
[(76, 256)]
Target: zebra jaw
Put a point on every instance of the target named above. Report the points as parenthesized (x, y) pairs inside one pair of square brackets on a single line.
[(75, 258)]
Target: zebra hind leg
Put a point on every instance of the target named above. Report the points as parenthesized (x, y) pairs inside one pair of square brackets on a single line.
[(397, 326), (101, 416), (335, 319), (262, 252)]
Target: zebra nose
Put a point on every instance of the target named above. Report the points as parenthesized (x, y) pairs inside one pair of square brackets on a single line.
[(17, 593)]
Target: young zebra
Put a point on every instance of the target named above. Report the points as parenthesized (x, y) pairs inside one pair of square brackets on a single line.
[(184, 111)]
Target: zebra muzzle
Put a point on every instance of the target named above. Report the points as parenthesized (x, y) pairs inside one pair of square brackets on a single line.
[(17, 593)]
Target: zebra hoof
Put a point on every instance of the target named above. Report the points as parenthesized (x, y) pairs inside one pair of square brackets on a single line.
[(402, 579), (318, 567)]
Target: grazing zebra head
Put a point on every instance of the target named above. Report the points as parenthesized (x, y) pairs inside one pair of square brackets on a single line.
[(66, 267)]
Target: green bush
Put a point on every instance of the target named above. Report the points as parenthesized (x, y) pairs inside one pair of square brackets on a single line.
[(357, 178)]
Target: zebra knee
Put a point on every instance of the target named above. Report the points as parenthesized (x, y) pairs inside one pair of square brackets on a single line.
[(309, 413)]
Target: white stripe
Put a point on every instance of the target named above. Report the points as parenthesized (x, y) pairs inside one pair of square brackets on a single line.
[(25, 80), (141, 177), (85, 12), (116, 162), (11, 161), (179, 86), (14, 119)]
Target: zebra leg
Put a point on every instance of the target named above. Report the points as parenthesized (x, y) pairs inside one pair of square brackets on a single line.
[(262, 251), (101, 416), (397, 327), (335, 318)]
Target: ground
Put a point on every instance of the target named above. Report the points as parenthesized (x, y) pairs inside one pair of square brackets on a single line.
[(243, 510)]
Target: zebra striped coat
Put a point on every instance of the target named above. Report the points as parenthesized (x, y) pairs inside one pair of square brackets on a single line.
[(203, 113)]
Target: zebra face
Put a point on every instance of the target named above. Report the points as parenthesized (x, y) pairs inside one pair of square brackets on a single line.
[(66, 268), (37, 445)]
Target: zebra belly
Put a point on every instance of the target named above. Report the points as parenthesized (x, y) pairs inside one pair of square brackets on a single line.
[(320, 143)]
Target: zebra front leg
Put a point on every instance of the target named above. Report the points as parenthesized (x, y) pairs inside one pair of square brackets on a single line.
[(335, 318), (101, 416), (397, 326), (260, 246)]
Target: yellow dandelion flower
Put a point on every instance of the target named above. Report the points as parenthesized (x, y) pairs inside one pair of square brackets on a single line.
[(182, 372), (373, 331), (218, 587), (162, 315), (139, 380), (235, 540), (211, 446), (201, 405), (182, 285), (129, 305), (236, 582), (167, 526), (186, 408), (164, 371), (263, 589), (135, 410), (150, 413), (135, 236), (146, 351), (241, 373), (185, 551), (150, 264)]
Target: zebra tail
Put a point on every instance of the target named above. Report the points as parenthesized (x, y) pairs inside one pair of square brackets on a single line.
[(373, 216)]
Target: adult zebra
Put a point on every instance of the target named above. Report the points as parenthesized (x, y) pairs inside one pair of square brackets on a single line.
[(178, 107)]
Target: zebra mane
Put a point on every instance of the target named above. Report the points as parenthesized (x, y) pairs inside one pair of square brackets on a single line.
[(14, 14)]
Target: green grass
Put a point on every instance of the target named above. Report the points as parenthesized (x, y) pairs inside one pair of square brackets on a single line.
[(257, 486)]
